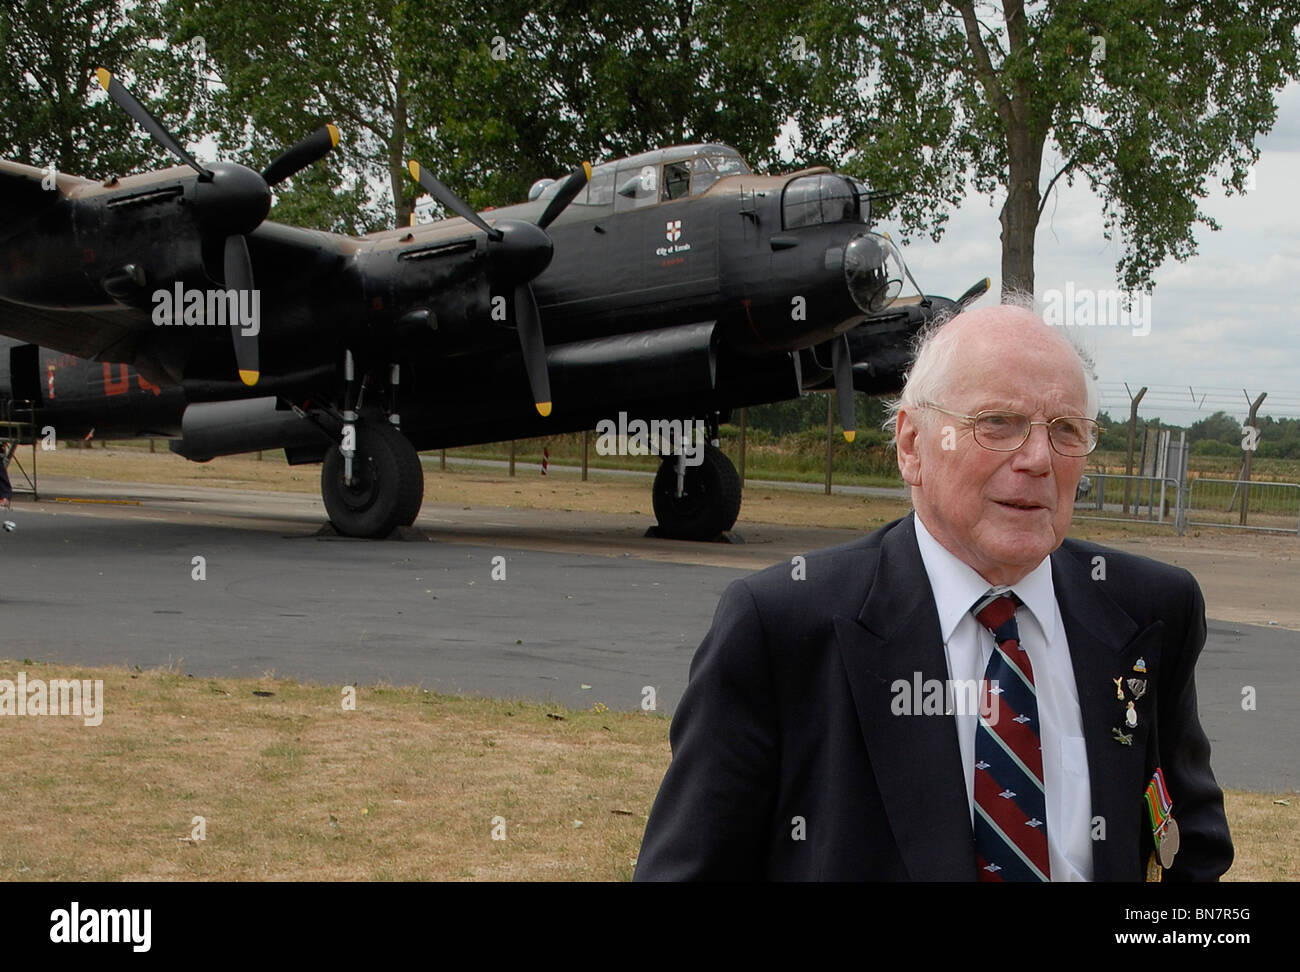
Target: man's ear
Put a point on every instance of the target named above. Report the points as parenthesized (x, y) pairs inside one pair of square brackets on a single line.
[(909, 456)]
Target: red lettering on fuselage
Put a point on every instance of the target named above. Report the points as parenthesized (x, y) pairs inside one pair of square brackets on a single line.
[(118, 386)]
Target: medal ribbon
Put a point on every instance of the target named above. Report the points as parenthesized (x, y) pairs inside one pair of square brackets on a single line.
[(1158, 802)]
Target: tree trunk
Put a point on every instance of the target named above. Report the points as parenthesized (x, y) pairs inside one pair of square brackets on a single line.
[(1019, 216), (403, 201)]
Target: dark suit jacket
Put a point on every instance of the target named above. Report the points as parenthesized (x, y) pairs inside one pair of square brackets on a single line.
[(787, 715)]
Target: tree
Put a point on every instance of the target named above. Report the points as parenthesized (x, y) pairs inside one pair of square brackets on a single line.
[(492, 96), (1146, 99), (52, 109), (1220, 427)]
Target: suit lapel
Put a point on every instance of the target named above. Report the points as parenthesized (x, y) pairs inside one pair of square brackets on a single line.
[(1106, 644), (915, 759)]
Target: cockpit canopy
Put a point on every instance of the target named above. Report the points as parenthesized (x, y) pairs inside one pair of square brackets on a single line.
[(650, 178)]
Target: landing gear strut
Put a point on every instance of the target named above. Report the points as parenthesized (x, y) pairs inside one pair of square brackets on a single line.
[(386, 486), (372, 481)]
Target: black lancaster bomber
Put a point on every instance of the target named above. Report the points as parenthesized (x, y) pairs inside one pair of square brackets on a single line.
[(675, 284)]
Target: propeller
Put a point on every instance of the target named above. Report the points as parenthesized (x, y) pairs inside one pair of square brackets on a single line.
[(231, 200), (842, 366), (522, 250), (974, 293)]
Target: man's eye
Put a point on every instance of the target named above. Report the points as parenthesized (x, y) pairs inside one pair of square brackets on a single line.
[(1069, 430), (999, 423)]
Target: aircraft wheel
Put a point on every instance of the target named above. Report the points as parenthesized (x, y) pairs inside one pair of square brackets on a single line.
[(387, 483), (710, 501)]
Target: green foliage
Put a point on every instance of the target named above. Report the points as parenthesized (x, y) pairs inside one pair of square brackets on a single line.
[(1219, 428), (1148, 101), (1213, 447), (809, 412), (52, 108)]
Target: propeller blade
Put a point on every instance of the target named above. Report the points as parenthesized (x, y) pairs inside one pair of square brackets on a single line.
[(974, 293), (529, 324), (429, 182), (311, 149), (568, 192), (842, 365), (239, 277), (128, 103)]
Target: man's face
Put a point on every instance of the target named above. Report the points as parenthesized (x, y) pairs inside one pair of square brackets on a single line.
[(999, 512)]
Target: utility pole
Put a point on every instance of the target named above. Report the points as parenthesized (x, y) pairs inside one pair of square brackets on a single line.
[(1132, 433)]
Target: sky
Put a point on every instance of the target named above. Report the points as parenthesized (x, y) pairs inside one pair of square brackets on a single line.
[(1223, 321)]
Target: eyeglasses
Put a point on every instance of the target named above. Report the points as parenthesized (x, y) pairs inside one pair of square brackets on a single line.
[(999, 431)]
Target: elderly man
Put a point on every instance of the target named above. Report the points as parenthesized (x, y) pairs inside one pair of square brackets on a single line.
[(964, 694)]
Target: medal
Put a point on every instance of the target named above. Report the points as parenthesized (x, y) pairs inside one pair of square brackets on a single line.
[(1163, 826), (1167, 843)]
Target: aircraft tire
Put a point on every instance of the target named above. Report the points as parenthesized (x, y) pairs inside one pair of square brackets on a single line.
[(711, 501), (388, 483)]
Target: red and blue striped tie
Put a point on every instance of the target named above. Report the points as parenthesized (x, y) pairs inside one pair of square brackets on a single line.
[(1010, 811)]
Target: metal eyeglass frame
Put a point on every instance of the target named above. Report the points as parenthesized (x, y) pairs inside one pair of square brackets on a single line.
[(1029, 428)]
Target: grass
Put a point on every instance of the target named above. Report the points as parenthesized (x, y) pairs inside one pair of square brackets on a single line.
[(291, 786), (408, 786)]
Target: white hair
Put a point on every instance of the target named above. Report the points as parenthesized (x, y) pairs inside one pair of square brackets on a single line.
[(937, 348)]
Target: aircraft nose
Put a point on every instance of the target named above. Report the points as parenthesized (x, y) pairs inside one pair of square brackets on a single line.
[(873, 271)]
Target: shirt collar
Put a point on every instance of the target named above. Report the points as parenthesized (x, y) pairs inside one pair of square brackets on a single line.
[(957, 586)]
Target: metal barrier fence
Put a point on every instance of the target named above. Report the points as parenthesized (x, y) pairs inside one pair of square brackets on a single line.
[(1268, 506), (1130, 499), (1272, 507)]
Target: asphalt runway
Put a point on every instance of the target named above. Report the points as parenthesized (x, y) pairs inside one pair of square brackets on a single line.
[(588, 610)]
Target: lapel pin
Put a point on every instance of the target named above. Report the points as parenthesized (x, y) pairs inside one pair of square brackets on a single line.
[(1140, 666), (1131, 716), (1137, 687), (1119, 687), (1121, 737)]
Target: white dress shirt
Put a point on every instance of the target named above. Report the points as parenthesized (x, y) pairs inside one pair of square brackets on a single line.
[(968, 646)]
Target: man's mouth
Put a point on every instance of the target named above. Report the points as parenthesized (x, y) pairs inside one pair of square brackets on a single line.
[(1017, 505)]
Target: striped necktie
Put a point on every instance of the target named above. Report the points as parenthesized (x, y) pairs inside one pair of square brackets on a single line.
[(1010, 812)]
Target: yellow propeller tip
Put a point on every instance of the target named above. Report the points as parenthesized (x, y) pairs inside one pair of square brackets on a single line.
[(849, 435), (249, 377), (334, 134), (543, 409), (586, 167), (414, 168), (104, 77)]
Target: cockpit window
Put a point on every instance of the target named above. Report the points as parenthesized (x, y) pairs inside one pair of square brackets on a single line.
[(636, 186), (677, 179), (600, 191)]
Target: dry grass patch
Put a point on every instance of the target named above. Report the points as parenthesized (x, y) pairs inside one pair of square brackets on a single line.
[(292, 787), (1266, 835)]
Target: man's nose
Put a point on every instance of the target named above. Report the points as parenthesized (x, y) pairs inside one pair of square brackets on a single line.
[(1035, 456)]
